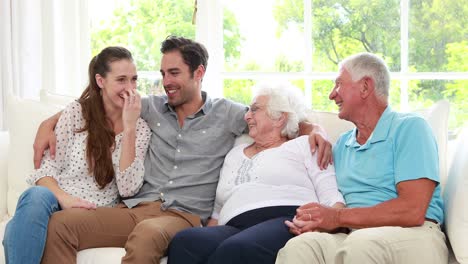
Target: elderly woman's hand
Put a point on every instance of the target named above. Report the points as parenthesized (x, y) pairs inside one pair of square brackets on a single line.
[(298, 227), (318, 142)]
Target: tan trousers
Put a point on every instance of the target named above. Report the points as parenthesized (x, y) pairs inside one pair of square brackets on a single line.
[(145, 231), (392, 245)]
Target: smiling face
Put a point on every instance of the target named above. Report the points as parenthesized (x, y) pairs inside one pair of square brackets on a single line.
[(180, 84), (121, 78), (346, 95), (257, 118)]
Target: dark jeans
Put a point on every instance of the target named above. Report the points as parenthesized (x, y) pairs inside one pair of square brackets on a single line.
[(255, 236)]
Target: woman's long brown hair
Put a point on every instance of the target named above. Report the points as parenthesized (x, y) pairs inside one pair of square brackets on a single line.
[(101, 136)]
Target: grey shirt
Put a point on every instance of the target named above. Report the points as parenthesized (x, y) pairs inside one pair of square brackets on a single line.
[(182, 164)]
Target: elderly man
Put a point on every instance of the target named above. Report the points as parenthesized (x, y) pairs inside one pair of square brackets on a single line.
[(387, 171)]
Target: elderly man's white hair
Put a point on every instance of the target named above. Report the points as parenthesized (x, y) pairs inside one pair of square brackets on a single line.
[(284, 98), (367, 64)]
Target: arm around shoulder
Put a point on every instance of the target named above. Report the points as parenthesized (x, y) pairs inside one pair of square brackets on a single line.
[(45, 138)]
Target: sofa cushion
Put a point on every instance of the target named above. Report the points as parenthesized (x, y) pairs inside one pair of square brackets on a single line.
[(333, 125), (24, 116), (455, 199), (437, 117), (100, 255), (107, 255), (4, 144)]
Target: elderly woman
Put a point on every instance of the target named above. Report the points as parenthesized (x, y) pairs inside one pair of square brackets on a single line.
[(261, 185)]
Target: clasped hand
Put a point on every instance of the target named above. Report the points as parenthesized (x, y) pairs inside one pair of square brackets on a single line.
[(313, 217)]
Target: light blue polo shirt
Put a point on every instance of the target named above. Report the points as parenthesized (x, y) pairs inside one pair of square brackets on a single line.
[(402, 147)]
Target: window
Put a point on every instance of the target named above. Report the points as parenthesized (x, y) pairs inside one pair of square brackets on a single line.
[(140, 26), (424, 42)]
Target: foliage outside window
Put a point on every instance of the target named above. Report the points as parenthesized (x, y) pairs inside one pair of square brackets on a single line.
[(141, 26), (424, 42)]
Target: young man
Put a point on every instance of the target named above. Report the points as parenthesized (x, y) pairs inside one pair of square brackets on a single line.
[(387, 170), (191, 134)]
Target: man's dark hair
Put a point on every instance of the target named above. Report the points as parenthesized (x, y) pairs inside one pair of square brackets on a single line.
[(193, 53)]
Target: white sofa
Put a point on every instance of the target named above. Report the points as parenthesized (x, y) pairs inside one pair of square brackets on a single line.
[(25, 115)]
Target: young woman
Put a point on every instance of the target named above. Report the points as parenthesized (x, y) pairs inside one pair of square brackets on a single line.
[(101, 145)]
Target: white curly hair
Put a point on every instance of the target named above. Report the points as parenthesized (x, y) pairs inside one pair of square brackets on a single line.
[(283, 97)]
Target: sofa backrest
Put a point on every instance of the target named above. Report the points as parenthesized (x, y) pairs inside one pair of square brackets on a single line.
[(437, 117), (4, 145), (456, 197), (26, 115)]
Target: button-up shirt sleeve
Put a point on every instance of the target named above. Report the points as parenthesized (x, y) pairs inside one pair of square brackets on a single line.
[(237, 124)]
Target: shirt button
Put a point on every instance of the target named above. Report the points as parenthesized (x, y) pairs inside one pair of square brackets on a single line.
[(175, 167), (204, 132), (179, 135), (158, 124), (178, 150), (171, 182)]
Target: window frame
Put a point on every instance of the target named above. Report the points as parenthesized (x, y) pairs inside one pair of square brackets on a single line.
[(209, 30)]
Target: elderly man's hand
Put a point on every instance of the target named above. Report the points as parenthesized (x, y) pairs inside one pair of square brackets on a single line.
[(314, 217), (318, 142), (298, 227)]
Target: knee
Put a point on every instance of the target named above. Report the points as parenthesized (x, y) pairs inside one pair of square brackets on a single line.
[(358, 247), (38, 192), (35, 205), (311, 247), (57, 222), (148, 233), (184, 238), (188, 246), (237, 247), (61, 224), (37, 197), (293, 245)]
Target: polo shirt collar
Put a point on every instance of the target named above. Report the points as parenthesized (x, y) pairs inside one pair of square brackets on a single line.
[(380, 132), (206, 107)]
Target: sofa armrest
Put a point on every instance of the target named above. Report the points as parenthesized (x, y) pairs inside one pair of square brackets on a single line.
[(4, 144), (455, 196)]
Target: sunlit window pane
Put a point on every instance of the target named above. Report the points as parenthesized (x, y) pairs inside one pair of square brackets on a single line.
[(394, 95), (140, 26), (264, 42), (300, 38), (342, 28), (242, 90), (438, 36), (239, 90), (320, 92), (424, 93)]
